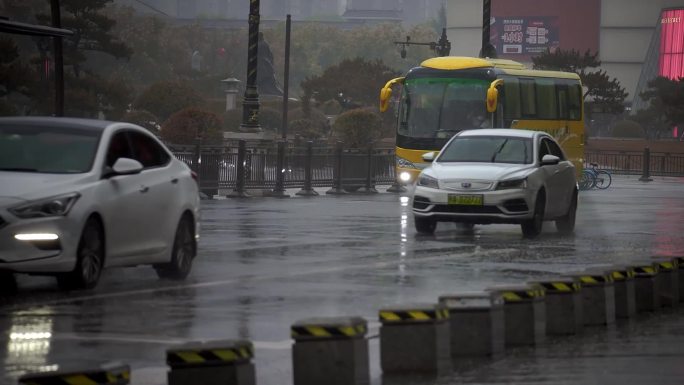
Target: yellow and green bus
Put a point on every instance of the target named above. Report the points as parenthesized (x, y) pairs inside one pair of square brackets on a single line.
[(446, 95)]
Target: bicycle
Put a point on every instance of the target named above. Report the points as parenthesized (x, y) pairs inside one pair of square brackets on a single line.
[(601, 179), (587, 180)]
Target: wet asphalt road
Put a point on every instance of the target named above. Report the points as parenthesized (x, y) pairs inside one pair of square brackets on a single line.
[(265, 263)]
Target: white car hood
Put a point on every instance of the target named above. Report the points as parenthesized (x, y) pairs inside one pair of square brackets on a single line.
[(478, 171), (24, 186)]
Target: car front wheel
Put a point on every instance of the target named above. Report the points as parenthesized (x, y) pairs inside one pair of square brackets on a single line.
[(566, 224), (532, 227), (90, 257), (183, 253), (425, 225)]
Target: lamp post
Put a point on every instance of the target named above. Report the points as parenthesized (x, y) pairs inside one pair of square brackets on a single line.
[(231, 86), (250, 104), (442, 47)]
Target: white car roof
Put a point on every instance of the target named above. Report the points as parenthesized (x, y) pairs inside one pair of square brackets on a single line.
[(509, 132)]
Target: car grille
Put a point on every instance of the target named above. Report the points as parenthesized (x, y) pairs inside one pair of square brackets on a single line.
[(466, 185), (2, 222), (463, 209), (516, 205)]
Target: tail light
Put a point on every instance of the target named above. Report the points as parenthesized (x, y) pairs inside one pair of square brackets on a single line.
[(194, 176)]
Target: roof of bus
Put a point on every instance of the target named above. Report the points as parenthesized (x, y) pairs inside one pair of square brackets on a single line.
[(508, 67)]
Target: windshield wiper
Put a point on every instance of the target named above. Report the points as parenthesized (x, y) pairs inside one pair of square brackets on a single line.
[(498, 150), (18, 169)]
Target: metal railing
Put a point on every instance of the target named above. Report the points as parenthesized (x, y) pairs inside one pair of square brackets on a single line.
[(644, 163), (218, 167)]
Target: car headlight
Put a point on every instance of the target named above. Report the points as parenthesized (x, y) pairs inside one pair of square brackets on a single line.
[(428, 181), (404, 163), (512, 184), (48, 207)]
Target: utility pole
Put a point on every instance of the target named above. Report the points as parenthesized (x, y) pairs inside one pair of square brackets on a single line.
[(286, 83), (488, 50), (250, 104), (59, 58)]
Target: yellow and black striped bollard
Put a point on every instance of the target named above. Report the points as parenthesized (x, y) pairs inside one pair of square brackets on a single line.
[(414, 338), (625, 292), (476, 324), (107, 374), (563, 305), (668, 282), (680, 264), (598, 297), (330, 351), (524, 314), (646, 286), (212, 363)]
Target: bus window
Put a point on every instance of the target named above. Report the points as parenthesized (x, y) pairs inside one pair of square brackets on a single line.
[(547, 107), (562, 101), (575, 102), (528, 98), (511, 98)]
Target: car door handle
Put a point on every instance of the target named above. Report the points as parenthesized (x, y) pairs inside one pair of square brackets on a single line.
[(174, 180), (144, 189)]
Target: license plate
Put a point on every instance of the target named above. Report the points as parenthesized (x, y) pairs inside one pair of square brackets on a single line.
[(466, 200)]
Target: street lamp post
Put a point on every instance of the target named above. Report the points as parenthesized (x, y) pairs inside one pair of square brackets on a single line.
[(442, 47), (250, 104)]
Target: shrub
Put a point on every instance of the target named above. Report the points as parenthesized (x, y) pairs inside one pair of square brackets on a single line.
[(358, 128), (305, 129), (143, 119), (318, 119), (627, 129), (332, 107), (185, 125), (163, 99)]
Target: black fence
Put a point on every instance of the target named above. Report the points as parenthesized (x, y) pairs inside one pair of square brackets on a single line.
[(218, 167), (638, 163)]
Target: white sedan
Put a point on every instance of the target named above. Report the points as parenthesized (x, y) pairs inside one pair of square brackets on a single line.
[(80, 195), (497, 176)]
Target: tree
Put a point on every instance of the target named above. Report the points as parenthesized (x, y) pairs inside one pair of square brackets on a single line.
[(666, 99), (356, 81), (358, 128), (15, 75), (607, 95), (167, 97), (143, 119), (186, 125)]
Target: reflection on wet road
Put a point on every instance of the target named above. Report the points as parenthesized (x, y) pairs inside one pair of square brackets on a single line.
[(265, 263)]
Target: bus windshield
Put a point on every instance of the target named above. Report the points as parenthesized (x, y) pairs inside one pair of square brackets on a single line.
[(441, 107)]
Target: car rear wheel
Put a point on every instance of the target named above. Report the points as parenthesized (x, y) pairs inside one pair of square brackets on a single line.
[(425, 225), (184, 250), (531, 228), (566, 224), (90, 257)]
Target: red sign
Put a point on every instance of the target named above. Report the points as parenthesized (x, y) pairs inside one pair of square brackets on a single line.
[(672, 44)]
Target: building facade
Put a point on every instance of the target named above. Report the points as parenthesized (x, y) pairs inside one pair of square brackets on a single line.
[(622, 31)]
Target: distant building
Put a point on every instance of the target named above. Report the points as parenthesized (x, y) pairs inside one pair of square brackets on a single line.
[(626, 33)]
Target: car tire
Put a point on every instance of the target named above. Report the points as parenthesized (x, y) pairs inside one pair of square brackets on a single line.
[(425, 225), (182, 254), (90, 257), (531, 228), (566, 224), (8, 283)]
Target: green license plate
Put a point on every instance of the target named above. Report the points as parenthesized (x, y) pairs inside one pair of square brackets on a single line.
[(466, 200)]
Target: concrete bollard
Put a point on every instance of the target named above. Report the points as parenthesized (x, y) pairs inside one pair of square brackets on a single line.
[(476, 322), (680, 263), (646, 286), (625, 294), (211, 363), (598, 297), (563, 305), (414, 338), (524, 314), (106, 374), (668, 280), (330, 351)]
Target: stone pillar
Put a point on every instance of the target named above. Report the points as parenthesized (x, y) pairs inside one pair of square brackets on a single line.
[(477, 323), (524, 314)]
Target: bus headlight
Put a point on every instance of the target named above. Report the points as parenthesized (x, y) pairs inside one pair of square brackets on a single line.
[(405, 176), (405, 163)]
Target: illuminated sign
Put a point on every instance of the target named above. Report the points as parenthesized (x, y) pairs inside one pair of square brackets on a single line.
[(527, 36), (672, 44)]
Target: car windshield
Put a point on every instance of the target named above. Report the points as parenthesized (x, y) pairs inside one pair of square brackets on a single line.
[(47, 149), (488, 149)]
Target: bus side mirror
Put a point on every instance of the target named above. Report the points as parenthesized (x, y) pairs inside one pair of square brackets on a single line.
[(492, 99), (493, 95), (386, 93)]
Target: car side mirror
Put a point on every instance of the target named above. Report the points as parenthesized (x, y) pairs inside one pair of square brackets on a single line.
[(124, 166), (550, 160), (429, 157)]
